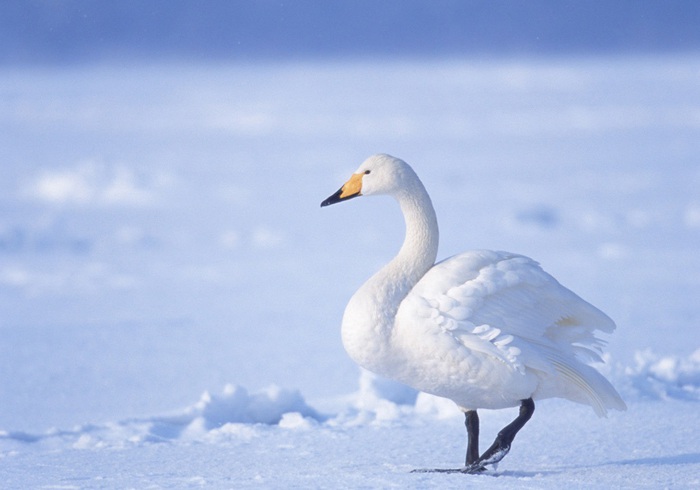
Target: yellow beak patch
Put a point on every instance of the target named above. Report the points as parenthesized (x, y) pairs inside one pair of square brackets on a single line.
[(352, 187)]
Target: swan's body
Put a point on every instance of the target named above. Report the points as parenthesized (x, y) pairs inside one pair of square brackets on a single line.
[(484, 329)]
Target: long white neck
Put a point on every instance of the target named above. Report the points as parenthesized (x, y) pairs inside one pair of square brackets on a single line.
[(369, 316), (420, 246)]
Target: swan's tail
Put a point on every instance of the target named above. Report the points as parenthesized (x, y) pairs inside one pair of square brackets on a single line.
[(586, 385)]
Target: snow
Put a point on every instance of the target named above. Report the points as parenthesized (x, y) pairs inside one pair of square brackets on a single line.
[(171, 292), (665, 377)]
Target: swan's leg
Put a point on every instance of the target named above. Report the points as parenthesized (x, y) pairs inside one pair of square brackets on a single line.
[(501, 445), (471, 421), (499, 448)]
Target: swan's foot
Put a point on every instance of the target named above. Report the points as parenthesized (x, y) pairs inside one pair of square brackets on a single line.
[(495, 453), (501, 446), (467, 470), (474, 469)]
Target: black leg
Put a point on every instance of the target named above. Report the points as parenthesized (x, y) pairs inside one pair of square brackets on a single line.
[(501, 445), (499, 448), (471, 421)]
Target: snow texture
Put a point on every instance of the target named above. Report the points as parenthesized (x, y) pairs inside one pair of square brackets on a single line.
[(171, 292)]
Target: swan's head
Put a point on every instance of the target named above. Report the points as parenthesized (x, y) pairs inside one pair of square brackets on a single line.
[(379, 174)]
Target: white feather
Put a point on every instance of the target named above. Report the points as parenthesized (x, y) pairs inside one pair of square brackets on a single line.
[(486, 329)]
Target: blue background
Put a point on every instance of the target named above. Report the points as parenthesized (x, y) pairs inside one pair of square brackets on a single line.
[(84, 30)]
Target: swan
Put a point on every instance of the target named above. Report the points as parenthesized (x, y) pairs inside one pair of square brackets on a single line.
[(486, 329)]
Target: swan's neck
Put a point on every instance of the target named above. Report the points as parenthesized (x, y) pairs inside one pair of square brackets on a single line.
[(369, 317), (419, 249)]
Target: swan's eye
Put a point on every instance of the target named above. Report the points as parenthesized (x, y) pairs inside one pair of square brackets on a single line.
[(367, 172)]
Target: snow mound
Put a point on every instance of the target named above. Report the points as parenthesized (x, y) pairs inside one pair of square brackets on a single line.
[(96, 183), (665, 377), (236, 405), (231, 413), (373, 389), (234, 413), (381, 401)]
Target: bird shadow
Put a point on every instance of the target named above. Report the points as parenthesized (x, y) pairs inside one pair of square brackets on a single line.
[(679, 459), (690, 458)]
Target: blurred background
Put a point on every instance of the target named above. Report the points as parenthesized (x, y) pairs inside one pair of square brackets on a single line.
[(69, 31), (162, 165)]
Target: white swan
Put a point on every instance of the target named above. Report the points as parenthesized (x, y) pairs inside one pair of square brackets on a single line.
[(485, 329)]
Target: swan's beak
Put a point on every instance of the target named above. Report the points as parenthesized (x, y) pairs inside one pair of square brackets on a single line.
[(352, 188)]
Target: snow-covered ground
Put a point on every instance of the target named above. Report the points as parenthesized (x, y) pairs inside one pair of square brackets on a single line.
[(171, 291)]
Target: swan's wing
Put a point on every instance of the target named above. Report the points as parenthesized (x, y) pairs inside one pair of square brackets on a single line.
[(506, 306), (513, 293)]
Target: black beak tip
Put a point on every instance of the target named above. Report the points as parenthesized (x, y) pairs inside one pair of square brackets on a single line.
[(333, 199)]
